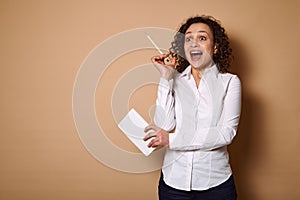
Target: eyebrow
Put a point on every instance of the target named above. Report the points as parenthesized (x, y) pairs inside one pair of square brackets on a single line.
[(197, 32)]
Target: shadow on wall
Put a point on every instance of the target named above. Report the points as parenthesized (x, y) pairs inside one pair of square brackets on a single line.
[(247, 147)]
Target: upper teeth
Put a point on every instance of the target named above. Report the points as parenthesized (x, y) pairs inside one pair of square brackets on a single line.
[(196, 52)]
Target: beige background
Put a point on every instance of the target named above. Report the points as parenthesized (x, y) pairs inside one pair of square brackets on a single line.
[(43, 44)]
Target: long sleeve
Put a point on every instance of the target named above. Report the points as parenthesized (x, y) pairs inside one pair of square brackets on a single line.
[(221, 131), (164, 116)]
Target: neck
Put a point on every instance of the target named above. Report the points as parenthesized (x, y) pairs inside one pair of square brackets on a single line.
[(197, 73)]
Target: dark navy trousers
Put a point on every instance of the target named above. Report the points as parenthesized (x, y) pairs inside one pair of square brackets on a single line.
[(224, 191)]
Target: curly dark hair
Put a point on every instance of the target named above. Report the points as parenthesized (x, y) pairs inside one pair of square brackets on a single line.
[(223, 56)]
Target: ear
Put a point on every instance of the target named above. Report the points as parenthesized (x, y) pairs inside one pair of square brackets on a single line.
[(215, 48)]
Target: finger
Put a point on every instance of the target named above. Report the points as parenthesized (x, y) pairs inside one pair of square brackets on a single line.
[(165, 55), (154, 143), (170, 61), (173, 61), (150, 135), (156, 58), (151, 127), (159, 58)]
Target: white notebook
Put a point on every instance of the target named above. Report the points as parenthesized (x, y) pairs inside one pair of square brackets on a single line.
[(133, 126)]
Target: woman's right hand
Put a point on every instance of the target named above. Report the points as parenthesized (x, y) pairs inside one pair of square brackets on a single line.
[(166, 70)]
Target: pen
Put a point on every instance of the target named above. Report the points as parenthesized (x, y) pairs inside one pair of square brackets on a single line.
[(167, 60), (156, 47)]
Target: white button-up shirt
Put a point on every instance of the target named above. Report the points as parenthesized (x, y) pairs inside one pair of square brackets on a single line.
[(203, 121)]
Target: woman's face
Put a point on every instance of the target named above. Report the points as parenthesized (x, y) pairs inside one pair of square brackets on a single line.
[(199, 46)]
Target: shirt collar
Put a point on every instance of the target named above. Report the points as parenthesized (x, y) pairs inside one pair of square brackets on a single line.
[(187, 72), (213, 70)]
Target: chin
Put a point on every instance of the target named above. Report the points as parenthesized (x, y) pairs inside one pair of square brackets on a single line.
[(197, 65), (200, 64)]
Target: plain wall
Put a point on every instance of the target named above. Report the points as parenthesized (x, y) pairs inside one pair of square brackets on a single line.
[(43, 44)]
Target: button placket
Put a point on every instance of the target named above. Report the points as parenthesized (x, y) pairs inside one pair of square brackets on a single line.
[(196, 107)]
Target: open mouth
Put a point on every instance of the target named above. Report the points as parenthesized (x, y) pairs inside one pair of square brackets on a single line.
[(196, 55)]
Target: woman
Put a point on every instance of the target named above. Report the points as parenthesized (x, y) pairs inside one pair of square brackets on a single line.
[(197, 113)]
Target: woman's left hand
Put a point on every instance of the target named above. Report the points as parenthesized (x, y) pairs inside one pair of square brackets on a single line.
[(161, 137)]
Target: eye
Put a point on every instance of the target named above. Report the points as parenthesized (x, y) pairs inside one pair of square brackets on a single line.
[(188, 39), (202, 38)]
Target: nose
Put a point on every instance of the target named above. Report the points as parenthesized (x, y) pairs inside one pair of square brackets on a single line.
[(194, 43)]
